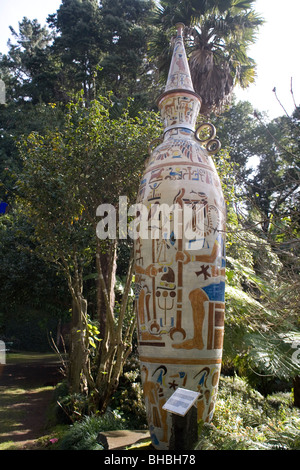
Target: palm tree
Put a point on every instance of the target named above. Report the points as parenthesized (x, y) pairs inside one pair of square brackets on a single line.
[(218, 35)]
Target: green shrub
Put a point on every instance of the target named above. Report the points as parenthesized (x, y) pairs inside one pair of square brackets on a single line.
[(83, 434), (245, 420), (130, 391), (67, 408)]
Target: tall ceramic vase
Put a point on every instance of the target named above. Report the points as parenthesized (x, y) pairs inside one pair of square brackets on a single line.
[(180, 268)]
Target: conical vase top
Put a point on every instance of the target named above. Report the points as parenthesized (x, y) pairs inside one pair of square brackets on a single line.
[(179, 73), (179, 104)]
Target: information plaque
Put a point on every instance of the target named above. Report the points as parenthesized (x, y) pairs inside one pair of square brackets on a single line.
[(181, 401)]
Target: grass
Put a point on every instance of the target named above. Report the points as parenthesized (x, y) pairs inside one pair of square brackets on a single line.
[(10, 411), (29, 357), (13, 411)]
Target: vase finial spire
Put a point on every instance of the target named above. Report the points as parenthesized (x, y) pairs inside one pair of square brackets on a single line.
[(179, 73)]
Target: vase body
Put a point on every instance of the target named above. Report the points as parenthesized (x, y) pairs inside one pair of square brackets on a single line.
[(180, 269)]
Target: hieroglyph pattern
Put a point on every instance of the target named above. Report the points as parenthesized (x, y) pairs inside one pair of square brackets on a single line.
[(180, 281)]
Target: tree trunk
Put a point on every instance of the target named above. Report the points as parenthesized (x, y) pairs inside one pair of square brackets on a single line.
[(106, 267), (296, 384), (77, 355), (116, 344)]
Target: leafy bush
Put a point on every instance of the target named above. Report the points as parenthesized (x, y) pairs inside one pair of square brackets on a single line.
[(67, 408), (245, 420), (83, 435), (130, 391)]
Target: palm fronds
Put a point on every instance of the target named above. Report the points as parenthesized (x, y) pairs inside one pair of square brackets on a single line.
[(217, 34)]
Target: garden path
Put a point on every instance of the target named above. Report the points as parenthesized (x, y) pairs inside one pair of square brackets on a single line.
[(26, 388)]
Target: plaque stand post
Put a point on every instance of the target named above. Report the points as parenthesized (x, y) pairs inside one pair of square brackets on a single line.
[(184, 432)]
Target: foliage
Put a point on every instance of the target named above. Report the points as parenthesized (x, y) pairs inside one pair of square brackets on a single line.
[(67, 174), (26, 68), (67, 408), (77, 46), (237, 130), (260, 332), (245, 420), (124, 63), (28, 309), (83, 435), (102, 47), (16, 120), (130, 391), (262, 307)]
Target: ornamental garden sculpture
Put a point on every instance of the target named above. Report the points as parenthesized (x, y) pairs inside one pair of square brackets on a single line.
[(180, 258)]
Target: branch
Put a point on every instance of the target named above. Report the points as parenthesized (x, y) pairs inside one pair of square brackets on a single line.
[(125, 297), (284, 197), (292, 93), (256, 115), (57, 351), (274, 91), (109, 310)]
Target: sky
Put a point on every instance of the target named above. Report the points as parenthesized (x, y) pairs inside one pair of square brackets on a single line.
[(275, 51)]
